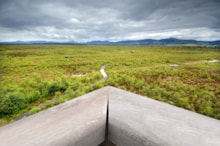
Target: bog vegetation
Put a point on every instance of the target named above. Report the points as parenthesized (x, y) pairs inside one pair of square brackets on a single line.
[(35, 77)]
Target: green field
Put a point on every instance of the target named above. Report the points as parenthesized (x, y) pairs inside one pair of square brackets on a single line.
[(35, 77)]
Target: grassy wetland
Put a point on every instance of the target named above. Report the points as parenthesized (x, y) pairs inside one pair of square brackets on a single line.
[(35, 77)]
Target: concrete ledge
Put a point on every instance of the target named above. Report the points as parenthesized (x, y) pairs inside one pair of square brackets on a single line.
[(131, 120), (135, 120), (79, 122)]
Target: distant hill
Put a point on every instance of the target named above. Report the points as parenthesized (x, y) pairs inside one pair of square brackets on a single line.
[(168, 41)]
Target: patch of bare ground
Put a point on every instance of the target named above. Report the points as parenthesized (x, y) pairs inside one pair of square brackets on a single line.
[(195, 62), (18, 54), (189, 52), (215, 71), (203, 61), (171, 79), (77, 75), (23, 54)]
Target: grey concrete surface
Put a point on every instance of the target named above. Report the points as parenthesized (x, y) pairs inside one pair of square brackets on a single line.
[(79, 122), (135, 120), (132, 120)]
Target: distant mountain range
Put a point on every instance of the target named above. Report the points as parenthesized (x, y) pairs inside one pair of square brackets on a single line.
[(169, 41)]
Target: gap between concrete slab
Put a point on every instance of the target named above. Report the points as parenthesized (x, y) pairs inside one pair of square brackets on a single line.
[(106, 128), (107, 142)]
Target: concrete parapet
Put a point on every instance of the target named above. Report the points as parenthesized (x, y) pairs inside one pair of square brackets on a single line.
[(79, 122), (116, 117), (135, 120)]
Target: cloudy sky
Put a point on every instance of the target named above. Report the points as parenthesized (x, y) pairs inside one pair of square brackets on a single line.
[(113, 20)]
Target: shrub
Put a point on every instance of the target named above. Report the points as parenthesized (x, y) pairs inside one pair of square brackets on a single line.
[(147, 90), (52, 87), (58, 93), (98, 85), (88, 89), (111, 82), (69, 91), (12, 103), (34, 110), (33, 96), (138, 84), (204, 107), (97, 76), (48, 103), (43, 88), (75, 85)]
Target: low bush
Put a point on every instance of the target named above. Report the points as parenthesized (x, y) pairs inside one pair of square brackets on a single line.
[(12, 103), (34, 110)]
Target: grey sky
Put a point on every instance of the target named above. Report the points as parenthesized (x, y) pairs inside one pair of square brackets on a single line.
[(114, 20)]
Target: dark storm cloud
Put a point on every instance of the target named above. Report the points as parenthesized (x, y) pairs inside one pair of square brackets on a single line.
[(175, 14), (84, 20), (25, 13)]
